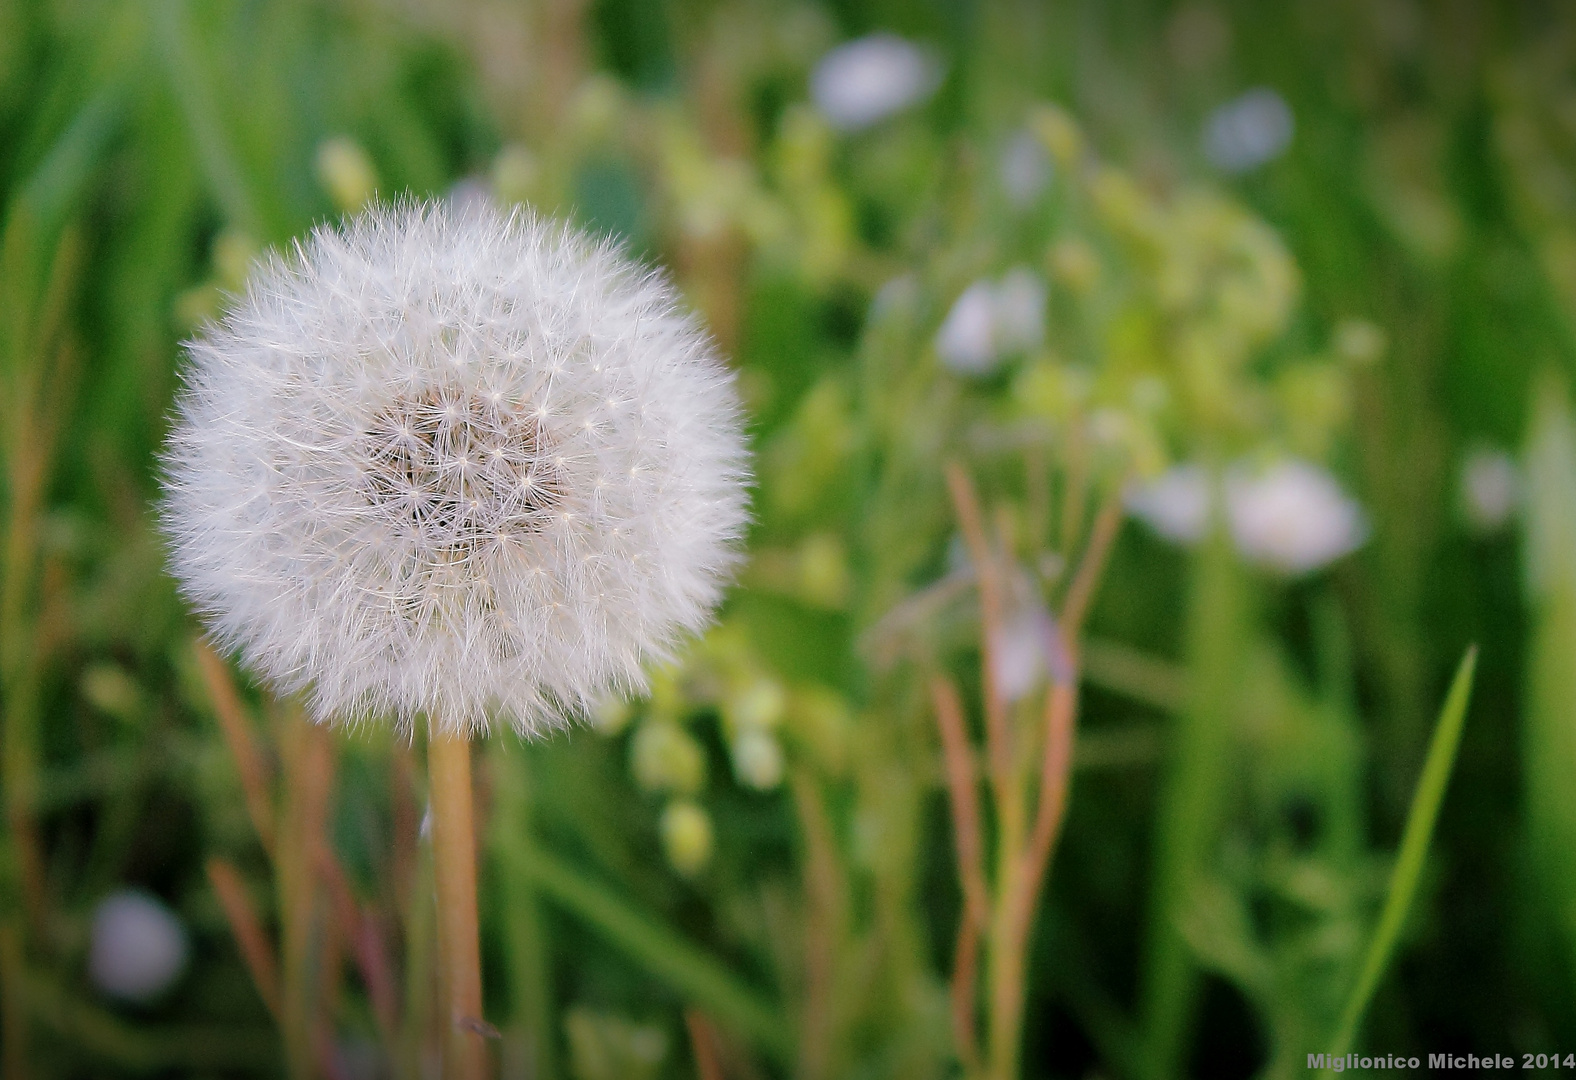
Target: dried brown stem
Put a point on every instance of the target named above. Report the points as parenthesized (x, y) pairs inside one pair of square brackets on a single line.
[(1075, 608), (256, 951), (236, 726), (998, 741), (454, 866), (970, 847), (704, 1045), (824, 892), (361, 928)]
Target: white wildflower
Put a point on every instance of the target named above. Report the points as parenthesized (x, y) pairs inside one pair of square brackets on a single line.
[(757, 760), (966, 340), (1291, 516), (455, 463), (1025, 169), (1248, 131), (1490, 489), (1176, 504), (137, 947), (991, 321), (863, 82)]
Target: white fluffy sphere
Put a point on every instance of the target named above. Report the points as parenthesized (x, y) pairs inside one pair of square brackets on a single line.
[(137, 947), (456, 464)]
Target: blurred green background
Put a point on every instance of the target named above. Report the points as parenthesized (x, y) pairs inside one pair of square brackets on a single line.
[(1119, 252)]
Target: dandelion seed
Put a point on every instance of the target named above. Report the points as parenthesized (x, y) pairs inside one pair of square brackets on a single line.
[(863, 82), (336, 491)]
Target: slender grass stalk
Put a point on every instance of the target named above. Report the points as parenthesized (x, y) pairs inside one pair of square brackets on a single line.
[(454, 868), (307, 754), (1193, 797), (530, 977), (1414, 846), (662, 952), (256, 952)]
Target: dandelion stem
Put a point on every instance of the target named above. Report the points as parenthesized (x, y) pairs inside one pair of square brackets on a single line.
[(454, 866)]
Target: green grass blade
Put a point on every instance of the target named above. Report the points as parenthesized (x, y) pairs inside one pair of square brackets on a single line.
[(661, 951), (1414, 846)]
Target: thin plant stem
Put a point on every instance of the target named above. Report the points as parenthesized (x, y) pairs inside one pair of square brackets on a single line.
[(454, 867), (525, 934), (235, 725), (703, 1046), (256, 952), (308, 760), (1414, 846), (966, 503), (964, 795), (825, 919)]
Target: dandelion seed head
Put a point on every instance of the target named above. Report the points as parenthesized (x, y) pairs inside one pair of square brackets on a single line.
[(405, 477)]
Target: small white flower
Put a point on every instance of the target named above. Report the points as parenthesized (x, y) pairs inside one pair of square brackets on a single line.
[(966, 341), (863, 82), (1291, 516), (1176, 504), (1248, 131), (454, 463), (1020, 311), (1025, 169), (991, 321), (1490, 489), (137, 947)]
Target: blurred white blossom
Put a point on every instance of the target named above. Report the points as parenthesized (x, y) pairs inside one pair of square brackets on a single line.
[(1175, 504), (1025, 169), (991, 321), (757, 759), (863, 82), (1288, 515), (686, 837), (137, 946), (1490, 489), (1248, 131), (1291, 516)]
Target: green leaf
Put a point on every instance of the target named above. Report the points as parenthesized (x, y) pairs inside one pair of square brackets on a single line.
[(661, 951), (1414, 846)]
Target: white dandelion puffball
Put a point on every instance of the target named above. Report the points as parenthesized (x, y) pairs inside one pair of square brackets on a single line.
[(137, 947), (1291, 516), (862, 82), (456, 464)]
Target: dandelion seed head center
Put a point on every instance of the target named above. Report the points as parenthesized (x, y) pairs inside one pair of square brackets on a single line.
[(456, 470)]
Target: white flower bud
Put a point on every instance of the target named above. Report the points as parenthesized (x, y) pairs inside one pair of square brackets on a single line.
[(757, 760), (686, 837)]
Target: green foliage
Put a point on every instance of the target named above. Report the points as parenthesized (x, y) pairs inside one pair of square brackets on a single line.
[(762, 848)]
